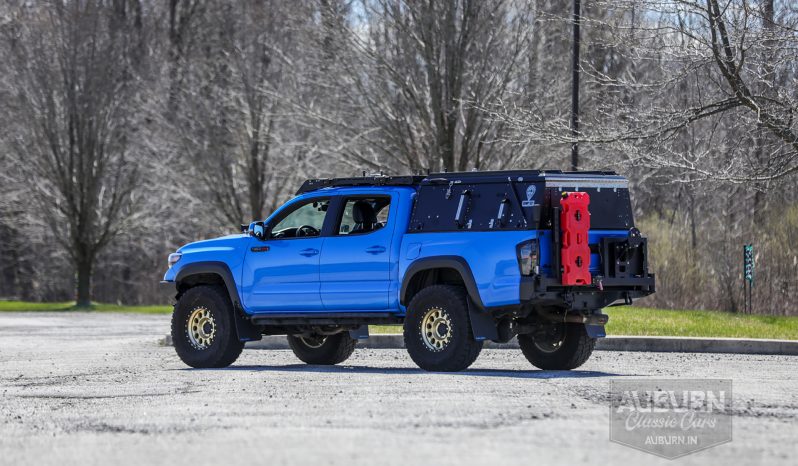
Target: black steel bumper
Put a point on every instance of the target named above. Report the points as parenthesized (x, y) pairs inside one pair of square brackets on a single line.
[(546, 291)]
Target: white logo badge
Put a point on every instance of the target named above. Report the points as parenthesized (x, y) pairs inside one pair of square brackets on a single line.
[(530, 193)]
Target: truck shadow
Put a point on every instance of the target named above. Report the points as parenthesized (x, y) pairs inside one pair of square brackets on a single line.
[(344, 369)]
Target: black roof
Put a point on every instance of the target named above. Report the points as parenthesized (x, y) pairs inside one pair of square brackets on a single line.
[(415, 180)]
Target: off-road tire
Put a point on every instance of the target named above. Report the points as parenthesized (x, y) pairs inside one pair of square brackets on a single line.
[(225, 347), (334, 350), (461, 350), (576, 348)]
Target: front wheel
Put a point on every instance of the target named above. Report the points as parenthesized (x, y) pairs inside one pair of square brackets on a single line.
[(437, 330), (557, 346), (203, 330), (322, 349)]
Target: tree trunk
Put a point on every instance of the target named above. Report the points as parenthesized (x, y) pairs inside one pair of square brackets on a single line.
[(84, 267)]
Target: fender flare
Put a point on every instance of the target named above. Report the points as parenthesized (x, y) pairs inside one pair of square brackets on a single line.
[(214, 268), (483, 325), (436, 262), (245, 330)]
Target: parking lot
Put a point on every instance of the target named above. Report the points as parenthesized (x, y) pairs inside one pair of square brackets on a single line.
[(98, 389)]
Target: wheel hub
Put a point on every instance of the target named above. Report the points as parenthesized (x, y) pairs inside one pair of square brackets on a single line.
[(550, 338), (436, 329), (201, 328)]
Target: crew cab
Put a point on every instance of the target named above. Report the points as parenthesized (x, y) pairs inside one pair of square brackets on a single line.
[(457, 259)]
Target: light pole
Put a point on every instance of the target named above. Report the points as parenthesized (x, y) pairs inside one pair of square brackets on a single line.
[(575, 89)]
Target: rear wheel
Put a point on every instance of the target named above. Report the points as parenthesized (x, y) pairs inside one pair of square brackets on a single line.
[(558, 346), (203, 330), (322, 349), (437, 330)]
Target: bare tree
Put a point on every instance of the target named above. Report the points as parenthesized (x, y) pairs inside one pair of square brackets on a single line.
[(182, 31), (414, 74), (72, 84), (236, 125), (669, 67)]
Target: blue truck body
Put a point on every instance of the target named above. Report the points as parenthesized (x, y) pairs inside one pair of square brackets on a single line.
[(344, 276)]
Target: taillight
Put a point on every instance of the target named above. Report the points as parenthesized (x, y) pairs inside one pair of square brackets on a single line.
[(527, 253)]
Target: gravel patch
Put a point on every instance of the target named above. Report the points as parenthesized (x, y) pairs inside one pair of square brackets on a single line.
[(90, 388)]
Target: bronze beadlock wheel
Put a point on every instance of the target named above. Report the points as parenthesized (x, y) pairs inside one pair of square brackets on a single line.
[(201, 328), (436, 329)]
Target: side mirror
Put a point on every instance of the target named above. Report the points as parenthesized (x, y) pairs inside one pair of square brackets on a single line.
[(259, 231)]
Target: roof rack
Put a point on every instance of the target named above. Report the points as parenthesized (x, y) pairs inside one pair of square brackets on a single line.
[(532, 173), (374, 180), (433, 178)]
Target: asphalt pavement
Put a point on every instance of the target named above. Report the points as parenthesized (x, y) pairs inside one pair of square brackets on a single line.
[(94, 388)]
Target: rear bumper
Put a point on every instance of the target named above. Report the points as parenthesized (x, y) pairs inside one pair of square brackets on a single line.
[(539, 283), (541, 290)]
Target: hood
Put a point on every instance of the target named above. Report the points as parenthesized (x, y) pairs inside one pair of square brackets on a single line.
[(223, 243)]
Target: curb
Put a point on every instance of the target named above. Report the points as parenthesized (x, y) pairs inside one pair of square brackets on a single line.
[(613, 343)]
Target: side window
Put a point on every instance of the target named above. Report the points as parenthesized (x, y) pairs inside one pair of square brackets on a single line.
[(363, 215), (304, 221)]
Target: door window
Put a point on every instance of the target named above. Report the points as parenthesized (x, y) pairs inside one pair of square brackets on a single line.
[(364, 215), (303, 222)]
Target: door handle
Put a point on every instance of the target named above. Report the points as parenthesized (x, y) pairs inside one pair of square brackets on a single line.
[(309, 252), (375, 250)]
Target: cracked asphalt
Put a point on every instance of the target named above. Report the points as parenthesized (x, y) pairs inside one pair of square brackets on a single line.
[(93, 388)]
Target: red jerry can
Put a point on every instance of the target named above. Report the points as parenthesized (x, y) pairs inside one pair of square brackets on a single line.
[(575, 225)]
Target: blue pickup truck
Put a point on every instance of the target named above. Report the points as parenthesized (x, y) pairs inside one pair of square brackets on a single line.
[(456, 258)]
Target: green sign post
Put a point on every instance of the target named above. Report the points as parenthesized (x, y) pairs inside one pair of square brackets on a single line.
[(748, 275)]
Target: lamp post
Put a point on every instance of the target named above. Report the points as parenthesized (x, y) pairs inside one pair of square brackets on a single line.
[(575, 88)]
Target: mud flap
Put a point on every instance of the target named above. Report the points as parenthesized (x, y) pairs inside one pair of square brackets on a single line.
[(595, 331), (244, 328), (360, 333), (483, 326)]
